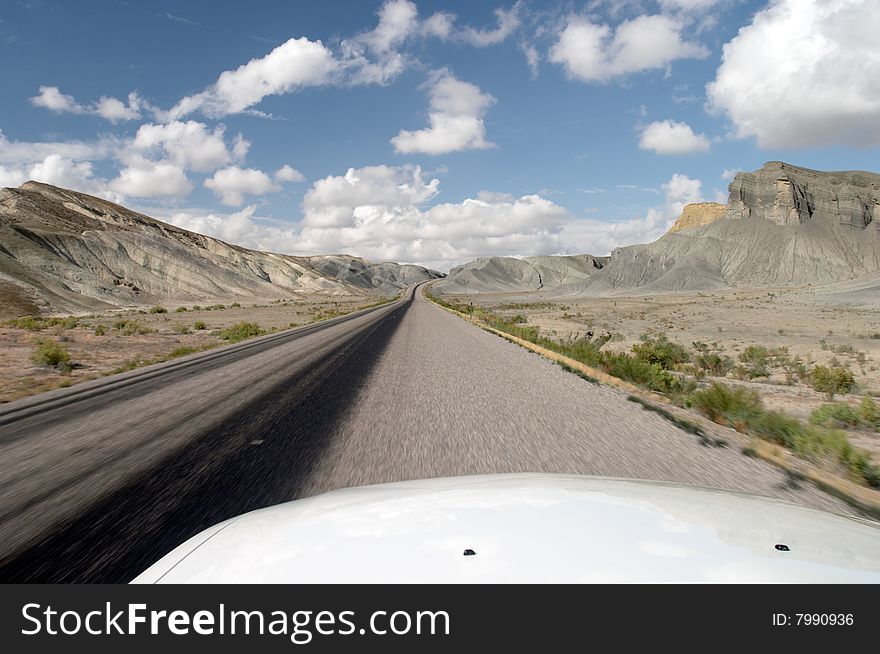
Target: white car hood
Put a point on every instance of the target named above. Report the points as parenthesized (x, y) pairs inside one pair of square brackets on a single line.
[(527, 528)]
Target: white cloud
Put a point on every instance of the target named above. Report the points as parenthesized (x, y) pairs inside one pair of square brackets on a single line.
[(230, 184), (594, 52), (51, 98), (689, 5), (670, 137), (730, 173), (295, 64), (494, 197), (187, 144), (379, 212), (288, 174), (804, 73), (533, 59), (143, 178), (507, 23), (110, 108), (28, 152), (456, 119), (59, 171), (240, 147)]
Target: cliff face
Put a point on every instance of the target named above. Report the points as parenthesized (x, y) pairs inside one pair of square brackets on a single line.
[(789, 195), (63, 251), (699, 214)]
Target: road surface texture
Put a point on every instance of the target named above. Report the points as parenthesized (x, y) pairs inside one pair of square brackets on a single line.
[(98, 484)]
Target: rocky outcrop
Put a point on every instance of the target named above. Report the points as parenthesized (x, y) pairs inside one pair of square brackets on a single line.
[(558, 275), (783, 226), (63, 251), (699, 214), (789, 195)]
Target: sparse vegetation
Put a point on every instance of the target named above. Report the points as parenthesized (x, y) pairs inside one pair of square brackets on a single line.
[(100, 330), (52, 354), (241, 331), (743, 410), (158, 309), (37, 323), (180, 310), (180, 328), (199, 325), (132, 327), (840, 415)]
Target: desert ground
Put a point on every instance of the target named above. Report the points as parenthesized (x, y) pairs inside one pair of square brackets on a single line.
[(118, 340), (798, 324)]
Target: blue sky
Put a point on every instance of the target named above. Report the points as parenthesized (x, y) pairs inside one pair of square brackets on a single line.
[(431, 132)]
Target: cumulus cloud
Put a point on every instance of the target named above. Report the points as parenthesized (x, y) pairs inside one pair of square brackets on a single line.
[(59, 171), (670, 137), (382, 213), (295, 64), (110, 108), (29, 152), (187, 144), (288, 174), (456, 119), (508, 21), (231, 184), (593, 52), (803, 73), (144, 178)]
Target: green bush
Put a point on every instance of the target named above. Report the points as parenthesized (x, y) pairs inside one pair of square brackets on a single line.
[(838, 415), (743, 410), (661, 351), (180, 328), (714, 364), (100, 330), (199, 325), (37, 323), (52, 354), (639, 371), (832, 381), (723, 404), (241, 331), (158, 309), (869, 413), (756, 361), (180, 310)]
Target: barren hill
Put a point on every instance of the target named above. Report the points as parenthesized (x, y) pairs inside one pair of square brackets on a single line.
[(499, 274), (64, 251)]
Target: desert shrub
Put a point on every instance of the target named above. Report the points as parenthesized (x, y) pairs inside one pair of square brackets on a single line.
[(639, 371), (714, 364), (180, 310), (180, 328), (661, 351), (234, 305), (131, 327), (837, 415), (199, 325), (100, 330), (182, 351), (52, 354), (241, 331), (756, 361), (37, 323), (726, 405), (158, 309), (743, 410), (197, 307), (832, 381), (840, 415), (215, 307), (869, 413)]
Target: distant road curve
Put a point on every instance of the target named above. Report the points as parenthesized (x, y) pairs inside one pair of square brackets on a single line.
[(101, 480)]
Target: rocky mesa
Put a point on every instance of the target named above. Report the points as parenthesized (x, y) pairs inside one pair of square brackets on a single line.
[(783, 225)]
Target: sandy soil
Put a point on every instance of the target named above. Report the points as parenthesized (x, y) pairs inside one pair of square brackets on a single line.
[(96, 355), (819, 330)]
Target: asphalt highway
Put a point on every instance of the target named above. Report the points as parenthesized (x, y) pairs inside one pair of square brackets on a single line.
[(100, 480)]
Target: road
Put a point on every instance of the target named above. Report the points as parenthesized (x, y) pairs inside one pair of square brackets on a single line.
[(100, 480)]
